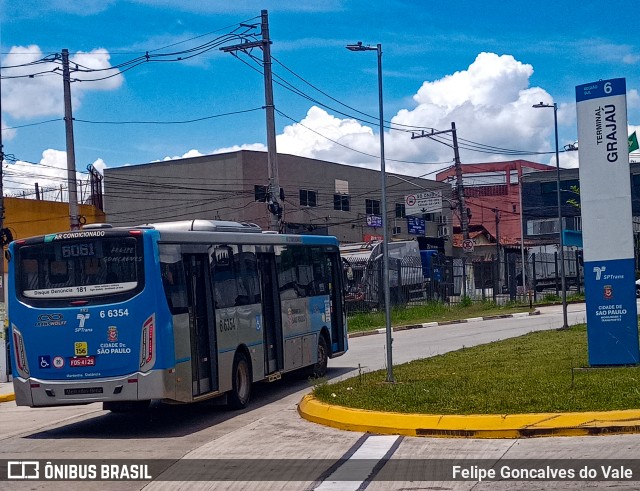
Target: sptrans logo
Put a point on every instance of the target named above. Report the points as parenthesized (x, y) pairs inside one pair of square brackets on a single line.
[(598, 271)]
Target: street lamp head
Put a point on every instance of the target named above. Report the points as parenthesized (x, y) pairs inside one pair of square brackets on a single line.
[(360, 47), (542, 104)]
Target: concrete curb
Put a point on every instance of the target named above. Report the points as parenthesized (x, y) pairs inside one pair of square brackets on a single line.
[(444, 323), (471, 426), (7, 397)]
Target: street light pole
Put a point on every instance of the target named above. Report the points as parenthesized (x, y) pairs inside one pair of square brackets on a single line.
[(383, 208), (565, 324)]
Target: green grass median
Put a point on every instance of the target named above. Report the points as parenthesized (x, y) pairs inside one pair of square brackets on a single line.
[(543, 371), (431, 312)]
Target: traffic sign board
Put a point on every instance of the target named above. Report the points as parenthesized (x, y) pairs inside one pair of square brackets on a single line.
[(421, 203), (467, 245)]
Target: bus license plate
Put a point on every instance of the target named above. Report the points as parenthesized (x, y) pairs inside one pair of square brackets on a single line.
[(85, 361), (83, 390)]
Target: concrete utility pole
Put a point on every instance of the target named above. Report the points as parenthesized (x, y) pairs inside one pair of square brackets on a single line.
[(273, 193), (462, 207), (272, 153), (71, 153), (2, 235), (497, 282)]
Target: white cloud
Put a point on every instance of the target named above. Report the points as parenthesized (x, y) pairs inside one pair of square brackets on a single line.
[(7, 134), (258, 147), (190, 154), (42, 95), (490, 102), (50, 174)]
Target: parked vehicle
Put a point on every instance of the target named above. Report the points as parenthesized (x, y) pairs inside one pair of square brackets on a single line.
[(410, 271), (547, 271)]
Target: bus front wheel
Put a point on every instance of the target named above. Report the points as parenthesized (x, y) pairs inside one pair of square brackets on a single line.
[(241, 383)]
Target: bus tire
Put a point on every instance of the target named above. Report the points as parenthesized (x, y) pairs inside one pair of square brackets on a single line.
[(126, 406), (319, 369), (241, 382)]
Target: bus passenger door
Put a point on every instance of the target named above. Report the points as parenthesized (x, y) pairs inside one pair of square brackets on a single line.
[(272, 323), (204, 376), (336, 297)]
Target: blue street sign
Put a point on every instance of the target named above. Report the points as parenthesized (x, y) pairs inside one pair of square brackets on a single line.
[(415, 225)]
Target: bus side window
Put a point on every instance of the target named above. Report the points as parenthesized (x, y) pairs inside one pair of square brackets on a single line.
[(174, 287), (223, 271)]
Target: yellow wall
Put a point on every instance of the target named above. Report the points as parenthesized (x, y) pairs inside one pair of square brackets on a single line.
[(29, 217)]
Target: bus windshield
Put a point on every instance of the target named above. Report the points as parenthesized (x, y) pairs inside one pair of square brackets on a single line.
[(79, 268)]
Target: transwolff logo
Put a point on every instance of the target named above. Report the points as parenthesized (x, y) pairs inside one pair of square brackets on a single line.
[(598, 271), (82, 318)]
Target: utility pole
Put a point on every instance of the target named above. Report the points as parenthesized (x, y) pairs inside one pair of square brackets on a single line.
[(497, 281), (273, 194), (71, 153), (462, 207), (2, 234)]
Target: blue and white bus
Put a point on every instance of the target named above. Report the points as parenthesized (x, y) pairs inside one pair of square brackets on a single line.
[(176, 312)]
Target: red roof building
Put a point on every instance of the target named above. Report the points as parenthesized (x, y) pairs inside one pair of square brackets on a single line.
[(492, 189)]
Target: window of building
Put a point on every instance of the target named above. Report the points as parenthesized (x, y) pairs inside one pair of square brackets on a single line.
[(260, 193), (341, 202), (308, 198), (400, 210), (372, 206), (543, 227)]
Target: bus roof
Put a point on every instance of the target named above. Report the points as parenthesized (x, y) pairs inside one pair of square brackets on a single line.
[(197, 230)]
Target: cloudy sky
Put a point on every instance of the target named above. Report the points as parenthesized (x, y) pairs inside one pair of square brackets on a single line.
[(149, 81)]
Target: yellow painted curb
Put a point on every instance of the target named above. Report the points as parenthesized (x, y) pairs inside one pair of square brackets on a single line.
[(471, 426), (7, 397)]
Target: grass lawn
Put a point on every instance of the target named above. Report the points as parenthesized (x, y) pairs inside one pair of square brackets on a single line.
[(538, 372), (432, 312)]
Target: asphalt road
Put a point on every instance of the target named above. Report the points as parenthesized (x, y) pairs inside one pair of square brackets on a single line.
[(268, 446)]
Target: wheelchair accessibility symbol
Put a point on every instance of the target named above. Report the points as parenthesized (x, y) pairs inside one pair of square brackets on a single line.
[(44, 361)]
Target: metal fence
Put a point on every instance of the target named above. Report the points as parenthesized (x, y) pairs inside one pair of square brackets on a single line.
[(450, 280), (410, 282)]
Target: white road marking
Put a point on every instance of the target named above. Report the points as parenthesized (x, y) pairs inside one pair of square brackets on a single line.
[(354, 472)]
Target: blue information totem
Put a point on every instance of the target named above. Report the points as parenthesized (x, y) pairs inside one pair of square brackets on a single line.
[(605, 199)]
